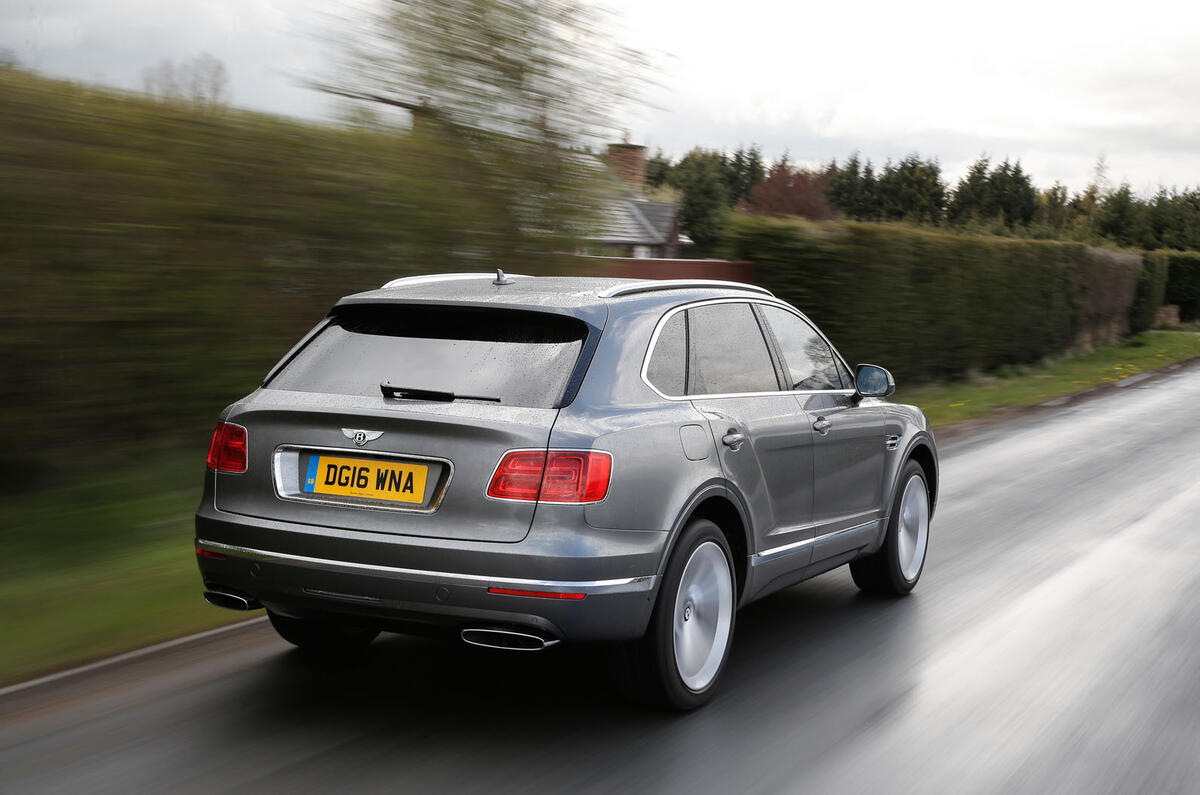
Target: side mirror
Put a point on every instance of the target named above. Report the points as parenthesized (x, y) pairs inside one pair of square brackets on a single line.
[(871, 380)]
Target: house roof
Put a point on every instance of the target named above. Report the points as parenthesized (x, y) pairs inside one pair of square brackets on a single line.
[(622, 222), (660, 215), (628, 219)]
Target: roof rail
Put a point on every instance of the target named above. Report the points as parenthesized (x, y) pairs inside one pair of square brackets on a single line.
[(409, 281), (653, 285)]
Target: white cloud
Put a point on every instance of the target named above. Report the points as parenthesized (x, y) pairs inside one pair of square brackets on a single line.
[(1055, 84), (1052, 83)]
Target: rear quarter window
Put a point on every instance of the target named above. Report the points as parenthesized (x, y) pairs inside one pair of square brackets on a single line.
[(523, 358), (667, 369)]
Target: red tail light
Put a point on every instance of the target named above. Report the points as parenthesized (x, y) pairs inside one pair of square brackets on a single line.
[(553, 476), (227, 451)]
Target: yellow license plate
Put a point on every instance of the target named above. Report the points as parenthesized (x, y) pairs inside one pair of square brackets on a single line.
[(368, 480)]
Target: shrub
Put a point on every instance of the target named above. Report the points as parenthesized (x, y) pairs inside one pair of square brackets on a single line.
[(1183, 283), (1151, 289), (928, 304)]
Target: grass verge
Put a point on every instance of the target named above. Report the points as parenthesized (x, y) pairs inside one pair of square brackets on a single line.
[(104, 563), (58, 617), (983, 396)]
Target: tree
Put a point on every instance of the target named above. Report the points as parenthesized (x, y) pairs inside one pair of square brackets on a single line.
[(845, 185), (853, 189), (867, 206), (203, 81), (700, 179), (743, 171), (794, 191), (504, 91), (1123, 218), (1053, 209), (1174, 219), (1004, 192), (912, 190), (973, 195), (1013, 194), (658, 169)]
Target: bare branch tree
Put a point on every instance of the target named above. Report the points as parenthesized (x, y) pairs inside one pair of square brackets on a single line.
[(512, 88), (202, 81)]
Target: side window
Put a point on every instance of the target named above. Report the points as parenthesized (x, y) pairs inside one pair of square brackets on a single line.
[(810, 363), (727, 352), (668, 362)]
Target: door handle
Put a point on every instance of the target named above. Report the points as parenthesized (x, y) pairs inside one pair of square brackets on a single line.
[(822, 426), (733, 440)]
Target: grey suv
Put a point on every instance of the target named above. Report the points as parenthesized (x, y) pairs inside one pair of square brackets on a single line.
[(521, 461)]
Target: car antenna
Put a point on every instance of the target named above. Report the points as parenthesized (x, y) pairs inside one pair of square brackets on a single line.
[(501, 279)]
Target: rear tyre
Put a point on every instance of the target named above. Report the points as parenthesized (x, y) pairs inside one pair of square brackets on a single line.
[(322, 638), (896, 567), (684, 651)]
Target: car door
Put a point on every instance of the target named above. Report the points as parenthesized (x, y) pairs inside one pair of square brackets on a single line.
[(765, 439), (848, 441)]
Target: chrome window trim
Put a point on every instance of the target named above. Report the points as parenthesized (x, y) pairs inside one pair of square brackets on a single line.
[(431, 278), (774, 552), (655, 285), (278, 476), (612, 462), (624, 584), (662, 321)]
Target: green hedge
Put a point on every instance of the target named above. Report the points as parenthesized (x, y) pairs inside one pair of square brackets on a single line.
[(1183, 283), (158, 259), (928, 304), (1151, 289)]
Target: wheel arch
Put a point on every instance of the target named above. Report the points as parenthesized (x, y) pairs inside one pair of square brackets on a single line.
[(923, 454), (718, 504)]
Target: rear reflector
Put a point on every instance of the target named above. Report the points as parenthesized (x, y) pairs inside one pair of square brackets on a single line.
[(538, 594), (227, 451), (552, 476), (204, 553)]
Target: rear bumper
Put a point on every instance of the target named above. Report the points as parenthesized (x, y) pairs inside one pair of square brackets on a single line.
[(304, 571)]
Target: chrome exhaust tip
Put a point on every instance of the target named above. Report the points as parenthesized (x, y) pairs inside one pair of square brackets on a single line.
[(506, 639), (230, 601)]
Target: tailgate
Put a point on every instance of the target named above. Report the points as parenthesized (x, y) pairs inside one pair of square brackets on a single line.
[(381, 466)]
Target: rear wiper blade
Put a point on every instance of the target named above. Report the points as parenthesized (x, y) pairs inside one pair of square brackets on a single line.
[(436, 395)]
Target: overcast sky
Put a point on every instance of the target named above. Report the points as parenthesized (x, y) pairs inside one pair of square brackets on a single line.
[(1055, 84)]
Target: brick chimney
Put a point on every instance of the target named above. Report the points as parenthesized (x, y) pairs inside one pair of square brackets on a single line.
[(628, 161)]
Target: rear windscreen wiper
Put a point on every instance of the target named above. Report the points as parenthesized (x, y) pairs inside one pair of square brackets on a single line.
[(437, 395)]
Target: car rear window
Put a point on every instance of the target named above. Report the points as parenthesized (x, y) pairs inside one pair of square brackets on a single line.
[(523, 358)]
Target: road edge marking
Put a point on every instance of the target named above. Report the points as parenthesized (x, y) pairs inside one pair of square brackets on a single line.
[(128, 656)]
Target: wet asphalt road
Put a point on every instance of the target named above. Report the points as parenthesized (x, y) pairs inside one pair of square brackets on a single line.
[(1053, 645)]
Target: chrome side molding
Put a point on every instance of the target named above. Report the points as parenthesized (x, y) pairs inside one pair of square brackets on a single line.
[(769, 554)]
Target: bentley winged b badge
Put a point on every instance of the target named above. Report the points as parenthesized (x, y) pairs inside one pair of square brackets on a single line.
[(361, 437)]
